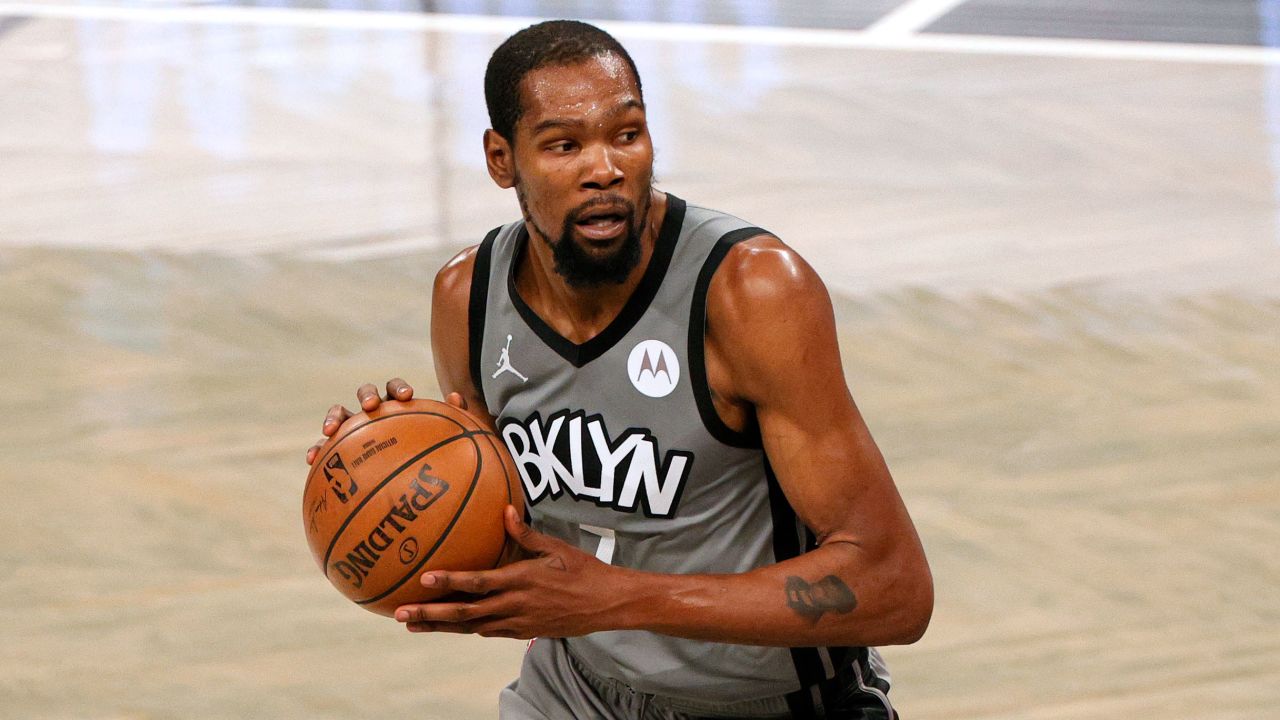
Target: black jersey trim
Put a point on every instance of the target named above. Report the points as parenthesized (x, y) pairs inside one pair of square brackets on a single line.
[(579, 354), (872, 688), (711, 420), (786, 545), (854, 682), (476, 311)]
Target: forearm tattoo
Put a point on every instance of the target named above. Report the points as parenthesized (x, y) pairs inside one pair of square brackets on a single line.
[(813, 600)]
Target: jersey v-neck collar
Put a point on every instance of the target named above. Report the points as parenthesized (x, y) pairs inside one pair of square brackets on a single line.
[(579, 354)]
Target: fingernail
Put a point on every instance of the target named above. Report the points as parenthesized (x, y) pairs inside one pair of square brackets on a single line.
[(428, 580), (402, 615)]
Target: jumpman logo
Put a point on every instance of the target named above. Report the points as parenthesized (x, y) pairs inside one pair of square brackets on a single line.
[(504, 363)]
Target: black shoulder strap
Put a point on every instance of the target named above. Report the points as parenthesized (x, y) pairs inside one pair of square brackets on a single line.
[(697, 343), (476, 310)]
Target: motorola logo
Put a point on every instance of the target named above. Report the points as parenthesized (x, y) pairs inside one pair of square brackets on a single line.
[(653, 368)]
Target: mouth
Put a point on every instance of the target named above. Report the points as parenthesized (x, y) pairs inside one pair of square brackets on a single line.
[(604, 223)]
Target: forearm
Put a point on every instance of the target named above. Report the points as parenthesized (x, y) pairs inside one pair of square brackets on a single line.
[(830, 596)]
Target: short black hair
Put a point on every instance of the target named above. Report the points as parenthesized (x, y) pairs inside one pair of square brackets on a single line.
[(555, 42)]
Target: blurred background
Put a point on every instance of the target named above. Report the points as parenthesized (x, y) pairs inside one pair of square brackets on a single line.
[(1051, 230)]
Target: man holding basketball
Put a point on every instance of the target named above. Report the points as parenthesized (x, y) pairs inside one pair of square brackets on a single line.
[(714, 533)]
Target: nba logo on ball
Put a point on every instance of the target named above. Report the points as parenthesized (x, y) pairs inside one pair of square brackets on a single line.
[(653, 368)]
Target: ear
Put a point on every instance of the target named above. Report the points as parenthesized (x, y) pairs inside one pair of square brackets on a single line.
[(500, 159)]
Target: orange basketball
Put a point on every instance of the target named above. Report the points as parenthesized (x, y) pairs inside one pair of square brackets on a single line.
[(410, 487)]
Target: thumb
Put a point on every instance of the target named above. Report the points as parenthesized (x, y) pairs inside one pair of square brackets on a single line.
[(525, 536)]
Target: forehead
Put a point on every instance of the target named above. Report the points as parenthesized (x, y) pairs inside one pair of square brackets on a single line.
[(598, 84)]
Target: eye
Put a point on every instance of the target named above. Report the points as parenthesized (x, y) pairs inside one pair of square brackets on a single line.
[(629, 136), (561, 147)]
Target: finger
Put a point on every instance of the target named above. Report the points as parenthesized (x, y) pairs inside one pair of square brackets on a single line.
[(367, 395), (502, 632), (334, 419), (481, 582), (313, 452), (398, 389), (455, 399), (443, 612), (425, 627), (497, 628), (525, 536)]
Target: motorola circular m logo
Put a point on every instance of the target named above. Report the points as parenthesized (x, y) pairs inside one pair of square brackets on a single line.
[(653, 368)]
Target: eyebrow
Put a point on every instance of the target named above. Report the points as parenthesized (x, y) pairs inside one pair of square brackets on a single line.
[(575, 123)]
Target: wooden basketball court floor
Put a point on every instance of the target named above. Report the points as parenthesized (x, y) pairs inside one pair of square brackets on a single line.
[(1050, 231)]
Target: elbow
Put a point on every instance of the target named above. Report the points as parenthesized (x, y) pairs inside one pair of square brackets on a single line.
[(910, 610), (901, 618), (917, 611), (916, 626)]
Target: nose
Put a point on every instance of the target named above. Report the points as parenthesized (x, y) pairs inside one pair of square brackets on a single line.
[(602, 171)]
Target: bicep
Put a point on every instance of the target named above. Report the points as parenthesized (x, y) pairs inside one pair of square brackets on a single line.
[(831, 471), (450, 332), (777, 317)]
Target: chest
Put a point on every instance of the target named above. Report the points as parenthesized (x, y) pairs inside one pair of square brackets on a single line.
[(619, 434)]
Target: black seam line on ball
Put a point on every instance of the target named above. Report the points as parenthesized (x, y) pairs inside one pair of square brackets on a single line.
[(329, 551), (354, 511), (510, 500), (372, 493), (444, 534), (347, 434)]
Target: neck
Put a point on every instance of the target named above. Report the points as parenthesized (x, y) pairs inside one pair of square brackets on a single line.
[(581, 313)]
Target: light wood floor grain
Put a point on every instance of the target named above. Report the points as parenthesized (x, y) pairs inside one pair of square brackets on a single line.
[(1055, 281)]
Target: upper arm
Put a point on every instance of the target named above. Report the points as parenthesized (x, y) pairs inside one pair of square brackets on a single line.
[(771, 320), (450, 331)]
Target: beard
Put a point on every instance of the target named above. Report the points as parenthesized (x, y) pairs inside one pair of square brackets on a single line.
[(582, 269)]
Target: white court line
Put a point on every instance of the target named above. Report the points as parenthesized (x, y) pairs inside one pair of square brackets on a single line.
[(911, 17), (671, 32)]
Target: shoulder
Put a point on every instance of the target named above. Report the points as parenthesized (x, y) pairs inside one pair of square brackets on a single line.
[(455, 278), (453, 281), (768, 316), (749, 259), (762, 273)]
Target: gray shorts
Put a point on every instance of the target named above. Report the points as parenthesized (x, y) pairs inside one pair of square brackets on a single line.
[(554, 685)]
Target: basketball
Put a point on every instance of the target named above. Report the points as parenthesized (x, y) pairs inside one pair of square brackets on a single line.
[(409, 487)]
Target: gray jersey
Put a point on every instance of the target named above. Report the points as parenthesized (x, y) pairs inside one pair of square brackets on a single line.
[(622, 453)]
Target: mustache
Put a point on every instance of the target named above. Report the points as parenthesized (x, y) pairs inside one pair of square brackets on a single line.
[(616, 203)]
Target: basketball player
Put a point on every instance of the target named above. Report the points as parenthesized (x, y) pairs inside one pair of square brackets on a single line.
[(714, 532)]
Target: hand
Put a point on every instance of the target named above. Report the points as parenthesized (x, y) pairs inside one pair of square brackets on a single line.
[(559, 591), (367, 396)]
